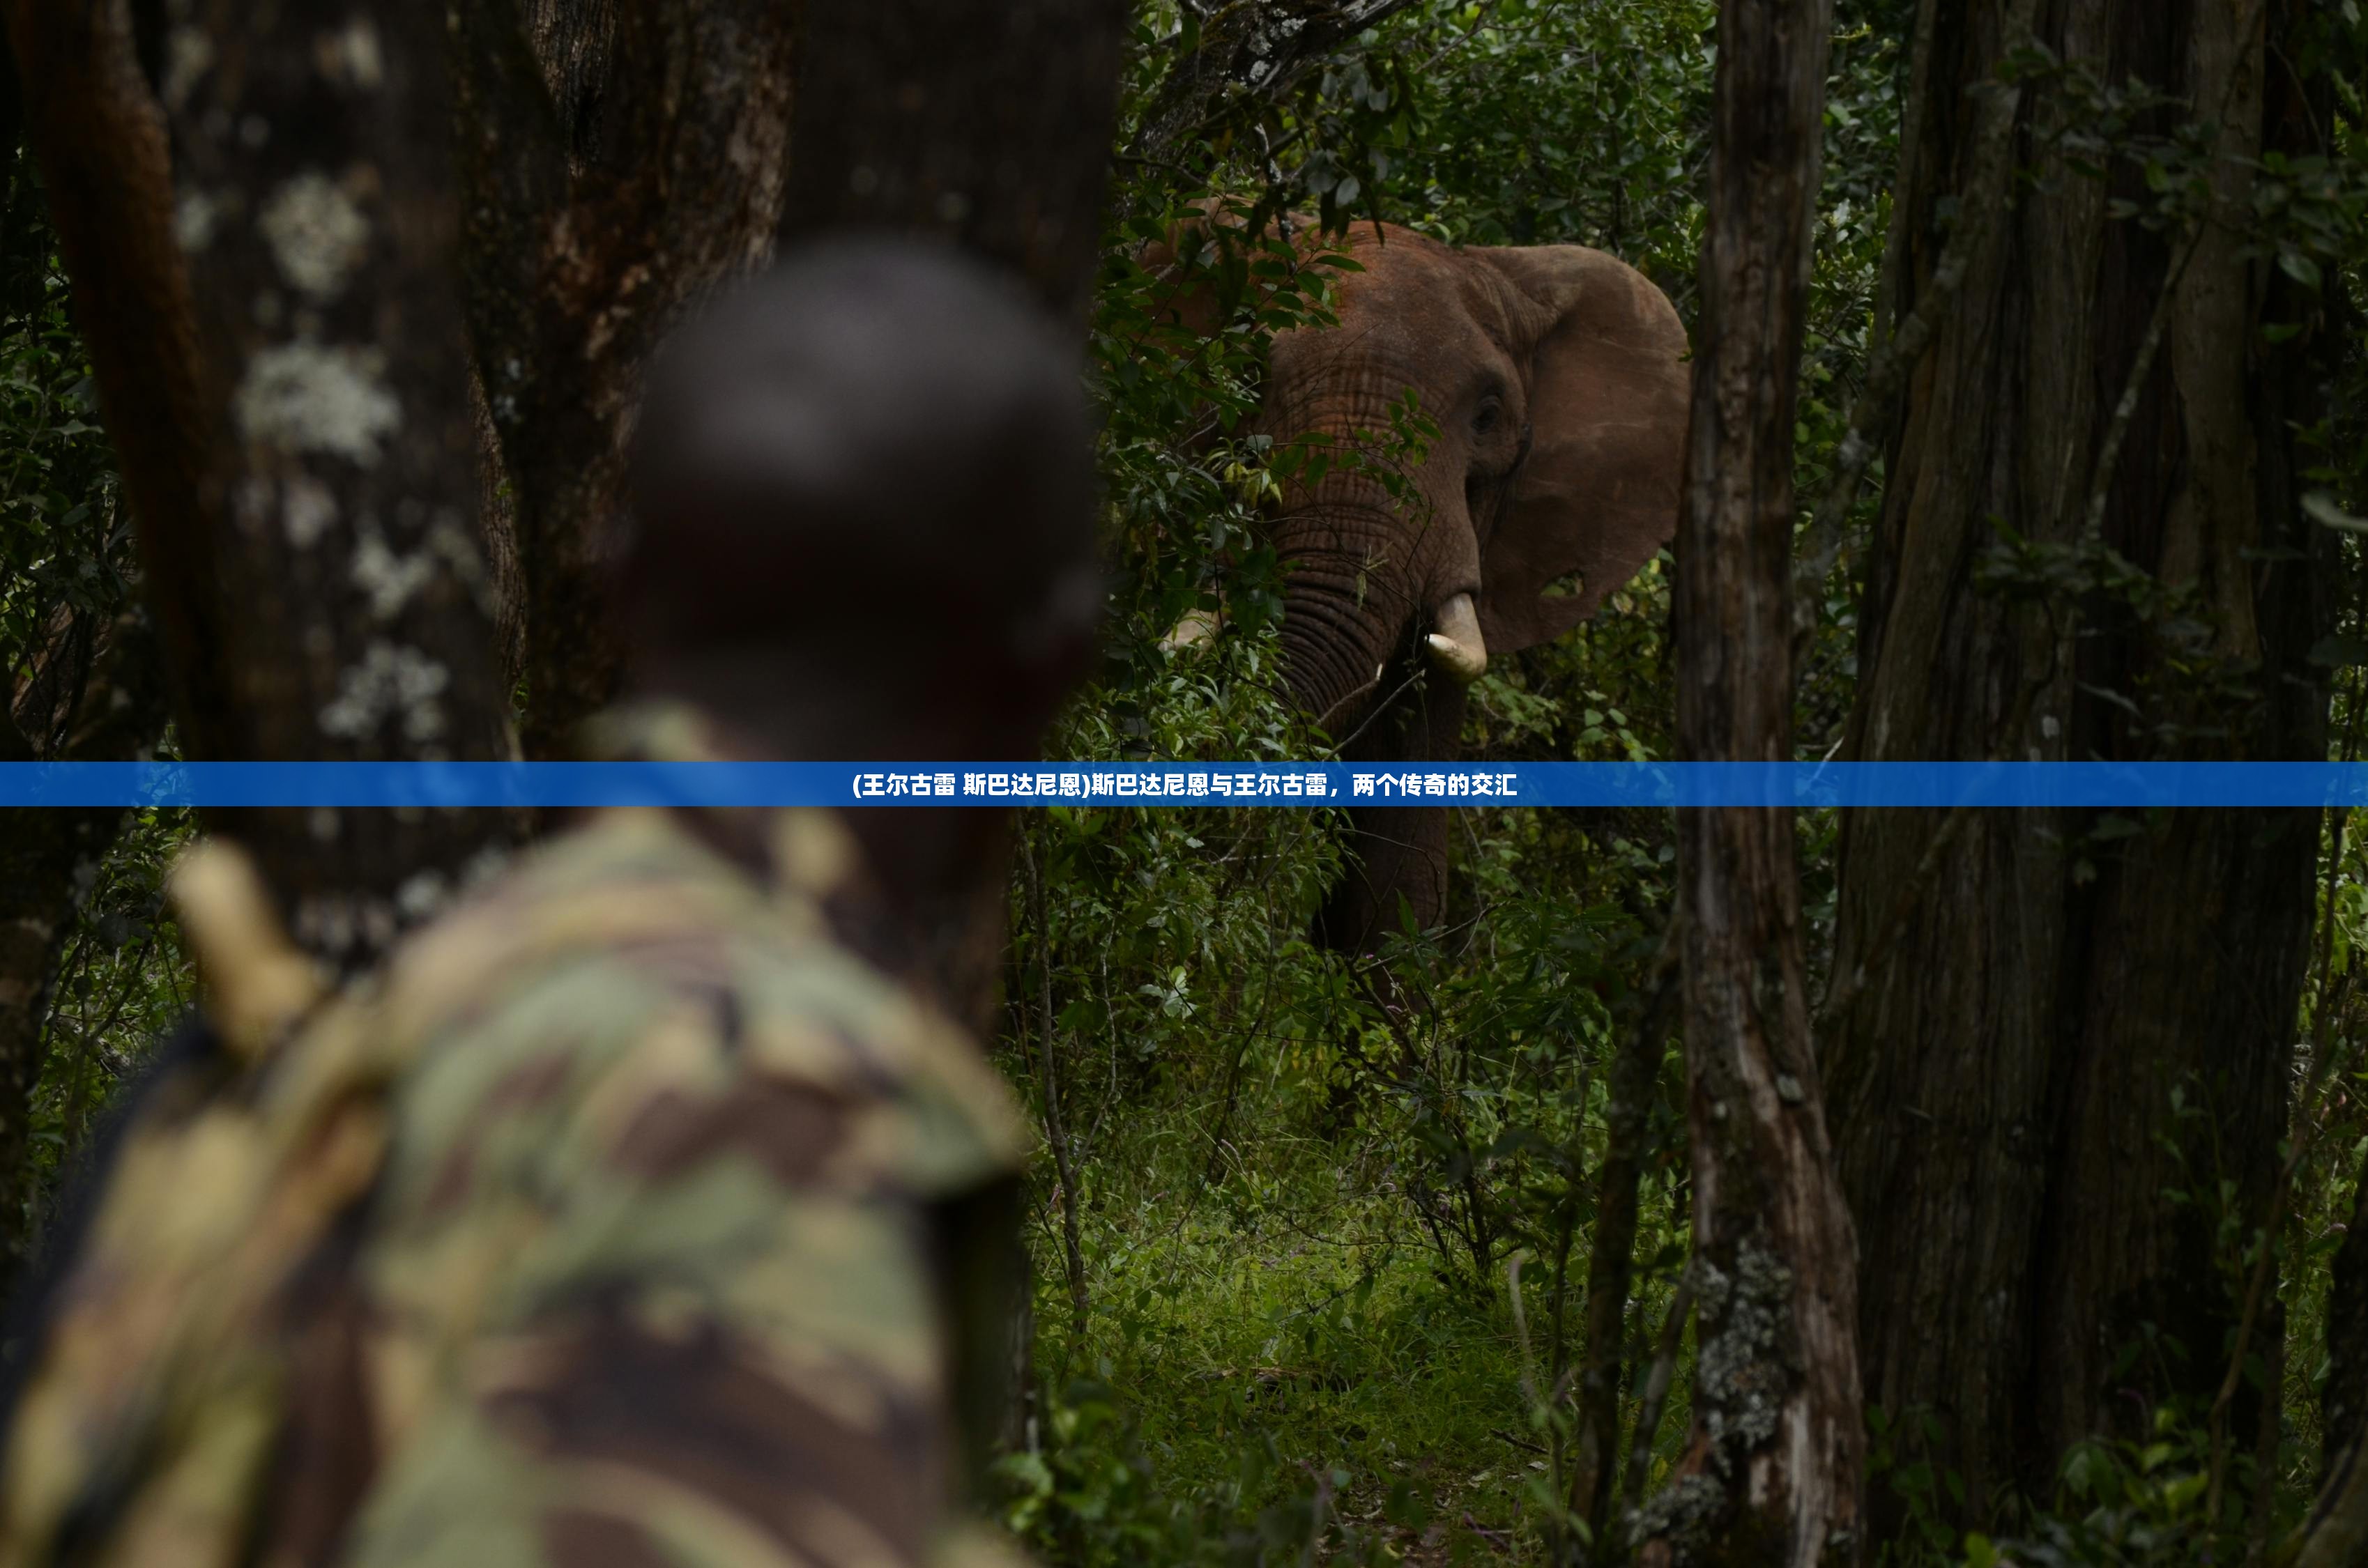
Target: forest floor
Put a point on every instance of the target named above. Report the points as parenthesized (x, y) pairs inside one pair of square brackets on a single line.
[(1295, 1343)]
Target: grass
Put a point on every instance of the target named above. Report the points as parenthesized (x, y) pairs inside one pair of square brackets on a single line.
[(1278, 1358)]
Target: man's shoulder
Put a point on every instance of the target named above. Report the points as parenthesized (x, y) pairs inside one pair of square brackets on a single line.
[(629, 978)]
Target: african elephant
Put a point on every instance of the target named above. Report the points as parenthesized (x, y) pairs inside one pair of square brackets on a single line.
[(1557, 378)]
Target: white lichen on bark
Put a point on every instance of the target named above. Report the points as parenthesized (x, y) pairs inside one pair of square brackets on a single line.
[(317, 234), (308, 509), (188, 53), (353, 55), (388, 579), (1745, 1370), (391, 684), (333, 924), (309, 397), (195, 216)]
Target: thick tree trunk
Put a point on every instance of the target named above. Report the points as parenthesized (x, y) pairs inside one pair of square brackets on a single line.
[(1774, 1472), (2048, 1022), (988, 127), (619, 161), (276, 353), (314, 209)]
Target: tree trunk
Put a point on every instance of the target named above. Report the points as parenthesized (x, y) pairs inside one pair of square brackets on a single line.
[(989, 127), (986, 127), (1773, 1474), (619, 161), (2096, 1012), (276, 351), (314, 212)]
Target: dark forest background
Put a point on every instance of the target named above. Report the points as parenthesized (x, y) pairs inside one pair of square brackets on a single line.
[(1391, 1258)]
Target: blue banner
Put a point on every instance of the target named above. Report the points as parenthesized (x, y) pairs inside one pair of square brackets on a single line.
[(1916, 785)]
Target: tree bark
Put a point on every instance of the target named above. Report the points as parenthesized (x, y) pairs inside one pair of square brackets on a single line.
[(618, 161), (1774, 1472), (314, 215), (986, 127), (277, 356), (2006, 1070)]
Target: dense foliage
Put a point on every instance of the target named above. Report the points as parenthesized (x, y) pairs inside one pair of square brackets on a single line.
[(1309, 1241), (1306, 1264), (67, 570), (1330, 1249)]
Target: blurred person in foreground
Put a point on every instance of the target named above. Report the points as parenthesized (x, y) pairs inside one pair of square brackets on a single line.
[(630, 1216)]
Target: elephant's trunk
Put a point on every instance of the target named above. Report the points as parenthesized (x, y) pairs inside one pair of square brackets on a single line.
[(1346, 606), (1334, 650)]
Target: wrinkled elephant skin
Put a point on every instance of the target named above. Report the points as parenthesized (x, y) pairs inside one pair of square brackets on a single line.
[(1556, 378)]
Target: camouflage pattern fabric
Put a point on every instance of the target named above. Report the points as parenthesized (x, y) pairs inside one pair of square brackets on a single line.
[(608, 1227)]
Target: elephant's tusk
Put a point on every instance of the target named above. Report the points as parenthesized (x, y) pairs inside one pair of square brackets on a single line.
[(1197, 626), (1457, 647)]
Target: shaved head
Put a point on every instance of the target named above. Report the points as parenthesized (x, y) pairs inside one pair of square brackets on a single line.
[(875, 459)]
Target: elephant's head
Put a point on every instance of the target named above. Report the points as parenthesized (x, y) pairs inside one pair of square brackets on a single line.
[(1556, 380)]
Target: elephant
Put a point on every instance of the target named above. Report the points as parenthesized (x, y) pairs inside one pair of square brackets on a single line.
[(1558, 380)]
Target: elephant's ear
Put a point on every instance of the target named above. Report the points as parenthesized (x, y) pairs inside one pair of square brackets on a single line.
[(1610, 395)]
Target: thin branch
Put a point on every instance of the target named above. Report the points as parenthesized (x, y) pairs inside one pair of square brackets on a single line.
[(1250, 55), (1055, 1132), (2117, 433), (2305, 1141), (1612, 1261), (1656, 1392)]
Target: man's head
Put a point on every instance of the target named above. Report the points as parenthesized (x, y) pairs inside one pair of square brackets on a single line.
[(864, 491)]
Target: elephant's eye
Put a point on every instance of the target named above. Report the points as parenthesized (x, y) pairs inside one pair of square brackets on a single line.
[(1491, 414)]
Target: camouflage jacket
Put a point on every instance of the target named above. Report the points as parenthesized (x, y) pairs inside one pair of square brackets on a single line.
[(625, 1219)]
